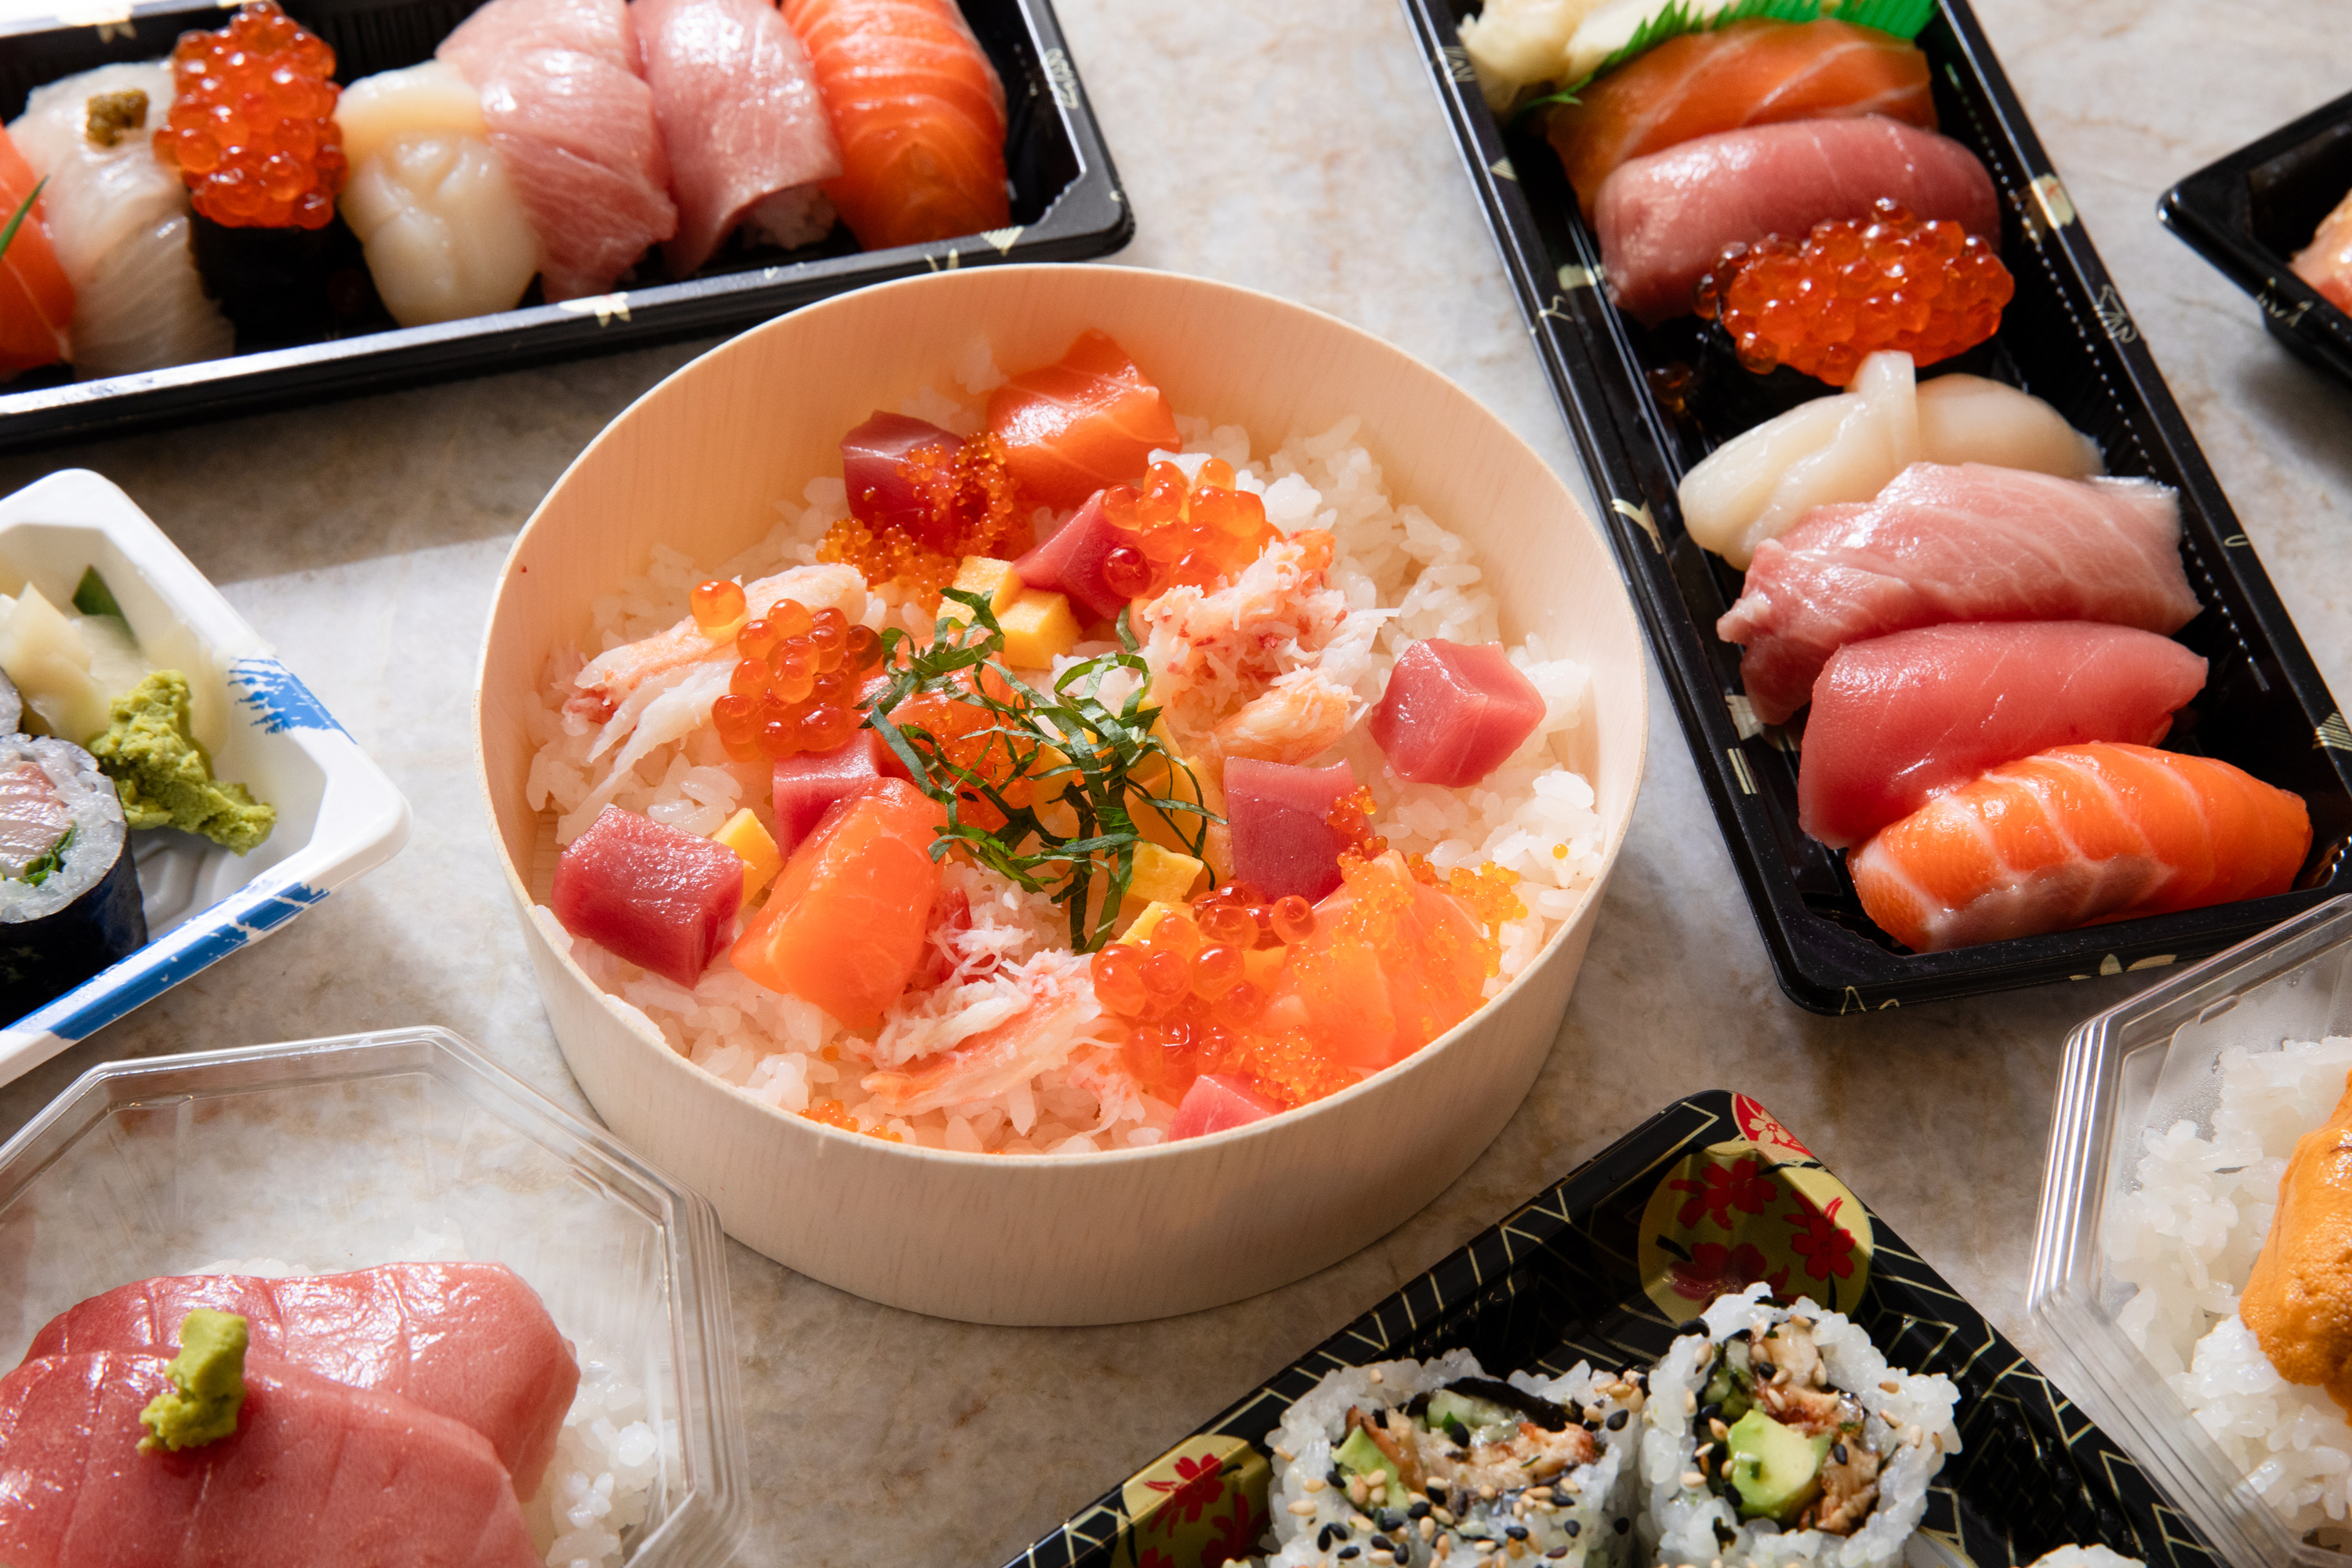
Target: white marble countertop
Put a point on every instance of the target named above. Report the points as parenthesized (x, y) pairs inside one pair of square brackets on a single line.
[(1301, 149)]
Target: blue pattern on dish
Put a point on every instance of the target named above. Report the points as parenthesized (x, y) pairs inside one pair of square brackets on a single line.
[(244, 916), (280, 701)]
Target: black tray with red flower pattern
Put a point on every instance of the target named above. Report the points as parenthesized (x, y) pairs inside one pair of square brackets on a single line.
[(1706, 1197)]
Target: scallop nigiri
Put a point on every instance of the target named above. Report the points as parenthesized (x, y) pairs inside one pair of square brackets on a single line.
[(122, 222), (1755, 73), (2079, 835), (36, 299), (920, 114)]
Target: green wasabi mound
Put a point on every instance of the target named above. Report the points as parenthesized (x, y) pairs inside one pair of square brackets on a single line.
[(164, 777), (209, 1378)]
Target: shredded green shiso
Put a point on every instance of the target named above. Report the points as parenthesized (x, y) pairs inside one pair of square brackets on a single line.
[(1068, 738), (54, 861)]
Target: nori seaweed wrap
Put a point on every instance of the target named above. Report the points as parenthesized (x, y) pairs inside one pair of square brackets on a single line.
[(70, 901)]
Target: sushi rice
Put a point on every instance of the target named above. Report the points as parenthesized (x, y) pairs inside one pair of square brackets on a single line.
[(1908, 1422), (2187, 1235), (1579, 1517), (1397, 577)]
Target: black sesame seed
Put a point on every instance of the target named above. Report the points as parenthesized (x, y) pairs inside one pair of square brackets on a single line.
[(1764, 1370), (1337, 1479), (1338, 1532), (1574, 1530), (1348, 1551), (1623, 1525), (1381, 1543), (1707, 1413), (1436, 1490), (1418, 1510), (1515, 1532), (1389, 1521), (1617, 1419), (1838, 1453), (1557, 1551)]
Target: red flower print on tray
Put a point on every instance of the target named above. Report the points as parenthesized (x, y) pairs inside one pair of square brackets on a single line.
[(1715, 1269), (1821, 1241), (1237, 1532), (1720, 1189), (1197, 1485)]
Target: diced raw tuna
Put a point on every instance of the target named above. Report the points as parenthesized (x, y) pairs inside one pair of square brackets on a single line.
[(1071, 562), (316, 1473), (468, 1340), (1898, 719), (1453, 712), (1087, 420), (880, 493), (1214, 1103), (650, 894), (1283, 841), (844, 928), (808, 784), (746, 135)]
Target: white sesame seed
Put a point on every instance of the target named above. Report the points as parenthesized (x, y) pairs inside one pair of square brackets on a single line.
[(1315, 1484), (1302, 1508), (1359, 1521), (1285, 1456), (1693, 1480), (1428, 1527), (1888, 1386), (1376, 1376), (1690, 1402), (1486, 1493)]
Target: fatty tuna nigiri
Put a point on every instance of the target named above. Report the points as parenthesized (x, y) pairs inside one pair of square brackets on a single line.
[(468, 1340), (1967, 543), (37, 302), (1755, 73), (919, 112), (315, 1473), (2079, 835), (1085, 421), (1899, 718)]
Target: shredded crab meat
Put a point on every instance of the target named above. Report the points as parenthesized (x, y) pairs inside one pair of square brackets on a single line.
[(1211, 651)]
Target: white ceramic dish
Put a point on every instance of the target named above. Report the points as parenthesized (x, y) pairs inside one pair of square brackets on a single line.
[(370, 1149), (697, 463), (338, 814)]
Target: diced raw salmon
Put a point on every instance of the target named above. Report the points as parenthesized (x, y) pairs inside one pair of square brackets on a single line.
[(316, 1473), (1087, 420), (844, 926), (1392, 963), (468, 1340)]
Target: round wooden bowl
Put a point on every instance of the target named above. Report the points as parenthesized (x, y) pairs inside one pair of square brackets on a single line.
[(699, 463)]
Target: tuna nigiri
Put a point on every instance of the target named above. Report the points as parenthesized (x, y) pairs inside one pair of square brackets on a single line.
[(35, 301), (746, 135), (1755, 73), (1088, 420), (1967, 543), (2078, 834), (1664, 217), (919, 112), (468, 1340), (1899, 718), (315, 1473)]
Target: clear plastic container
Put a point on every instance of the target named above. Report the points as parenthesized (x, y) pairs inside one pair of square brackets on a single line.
[(348, 1153), (2147, 1064)]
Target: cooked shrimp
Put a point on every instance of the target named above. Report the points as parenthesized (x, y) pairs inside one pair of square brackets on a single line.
[(1302, 715)]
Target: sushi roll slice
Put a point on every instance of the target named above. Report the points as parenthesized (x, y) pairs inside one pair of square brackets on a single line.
[(69, 893), (1780, 1436), (1412, 1463), (120, 222)]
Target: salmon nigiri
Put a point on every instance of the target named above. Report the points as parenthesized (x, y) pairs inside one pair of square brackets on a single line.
[(920, 113), (844, 928), (36, 299), (1087, 420), (2078, 834), (1757, 72)]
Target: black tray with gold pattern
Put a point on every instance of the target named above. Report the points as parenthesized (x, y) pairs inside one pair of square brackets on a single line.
[(1708, 1195)]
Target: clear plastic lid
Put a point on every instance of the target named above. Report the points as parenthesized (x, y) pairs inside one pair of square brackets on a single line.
[(367, 1149)]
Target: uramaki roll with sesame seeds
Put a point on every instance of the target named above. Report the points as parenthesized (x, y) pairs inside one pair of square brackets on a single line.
[(1780, 1436), (1409, 1463)]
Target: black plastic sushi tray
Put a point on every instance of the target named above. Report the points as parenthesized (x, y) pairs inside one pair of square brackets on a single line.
[(2067, 338), (1067, 205), (1706, 1197), (2251, 212)]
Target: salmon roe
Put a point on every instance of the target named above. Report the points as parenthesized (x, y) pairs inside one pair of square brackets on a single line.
[(252, 131), (796, 677), (972, 512), (1856, 287), (833, 1113), (1184, 530)]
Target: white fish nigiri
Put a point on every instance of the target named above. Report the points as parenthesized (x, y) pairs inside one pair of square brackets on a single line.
[(120, 221), (1847, 448), (445, 234)]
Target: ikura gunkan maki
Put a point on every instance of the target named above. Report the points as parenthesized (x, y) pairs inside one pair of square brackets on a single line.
[(69, 893), (1420, 1462)]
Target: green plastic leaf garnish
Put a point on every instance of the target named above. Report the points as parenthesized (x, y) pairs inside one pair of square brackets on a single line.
[(23, 211), (1101, 762), (91, 597)]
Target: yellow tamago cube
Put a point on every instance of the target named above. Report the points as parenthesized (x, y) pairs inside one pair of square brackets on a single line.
[(1141, 926), (1038, 628), (743, 834), (1159, 877), (983, 574)]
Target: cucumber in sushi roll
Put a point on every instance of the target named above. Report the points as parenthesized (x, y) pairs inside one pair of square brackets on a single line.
[(1780, 1436), (69, 900), (1412, 1463)]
